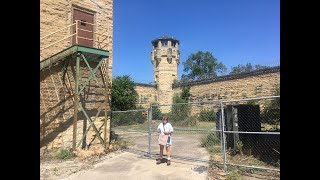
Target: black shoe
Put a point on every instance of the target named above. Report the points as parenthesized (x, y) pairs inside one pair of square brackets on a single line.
[(158, 161), (168, 162)]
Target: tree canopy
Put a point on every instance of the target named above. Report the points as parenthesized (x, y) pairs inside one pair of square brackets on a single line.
[(202, 65), (124, 95), (245, 68)]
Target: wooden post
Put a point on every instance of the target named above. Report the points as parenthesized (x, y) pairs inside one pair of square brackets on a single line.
[(77, 31), (76, 101), (106, 144)]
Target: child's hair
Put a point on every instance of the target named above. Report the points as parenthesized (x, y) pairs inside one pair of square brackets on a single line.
[(165, 118)]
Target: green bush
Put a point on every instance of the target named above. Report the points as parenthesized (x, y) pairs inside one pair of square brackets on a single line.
[(189, 121), (64, 154), (210, 140), (207, 115), (156, 113), (127, 118)]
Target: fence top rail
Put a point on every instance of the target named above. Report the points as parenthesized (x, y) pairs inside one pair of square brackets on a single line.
[(130, 110), (192, 103), (245, 132), (218, 101), (247, 99)]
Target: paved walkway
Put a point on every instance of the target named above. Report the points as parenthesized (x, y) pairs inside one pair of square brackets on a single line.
[(130, 165)]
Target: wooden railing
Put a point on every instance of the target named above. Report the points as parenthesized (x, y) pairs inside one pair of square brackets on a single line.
[(100, 40)]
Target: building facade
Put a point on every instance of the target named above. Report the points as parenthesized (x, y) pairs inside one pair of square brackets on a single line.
[(88, 26)]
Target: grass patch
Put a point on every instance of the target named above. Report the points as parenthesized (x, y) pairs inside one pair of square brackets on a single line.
[(247, 160), (234, 175)]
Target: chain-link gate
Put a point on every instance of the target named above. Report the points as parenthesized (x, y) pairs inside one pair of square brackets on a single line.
[(250, 137)]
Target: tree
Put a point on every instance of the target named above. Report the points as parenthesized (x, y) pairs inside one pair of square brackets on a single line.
[(124, 95), (245, 68), (202, 65), (185, 94), (181, 110), (156, 112)]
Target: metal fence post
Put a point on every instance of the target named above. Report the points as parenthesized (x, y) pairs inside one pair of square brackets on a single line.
[(223, 139), (149, 130)]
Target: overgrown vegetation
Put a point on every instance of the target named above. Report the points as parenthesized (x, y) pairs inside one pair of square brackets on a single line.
[(212, 143), (271, 112), (210, 140), (234, 175), (64, 154)]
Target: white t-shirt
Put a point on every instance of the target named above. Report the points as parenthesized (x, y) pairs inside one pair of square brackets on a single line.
[(167, 127)]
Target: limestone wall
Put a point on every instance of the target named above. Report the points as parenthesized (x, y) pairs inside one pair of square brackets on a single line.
[(147, 94), (246, 85)]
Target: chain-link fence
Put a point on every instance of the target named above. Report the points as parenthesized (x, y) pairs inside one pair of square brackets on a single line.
[(132, 127), (250, 137), (252, 132)]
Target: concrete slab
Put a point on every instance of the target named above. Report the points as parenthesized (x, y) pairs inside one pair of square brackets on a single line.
[(128, 165)]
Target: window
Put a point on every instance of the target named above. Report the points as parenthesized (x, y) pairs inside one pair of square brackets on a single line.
[(83, 23), (174, 44), (164, 43), (155, 44)]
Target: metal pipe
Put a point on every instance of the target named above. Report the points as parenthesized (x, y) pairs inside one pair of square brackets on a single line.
[(256, 167), (149, 131), (247, 99), (223, 139), (244, 132), (130, 110)]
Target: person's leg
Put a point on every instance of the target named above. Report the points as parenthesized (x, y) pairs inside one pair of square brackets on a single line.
[(161, 151), (168, 155), (160, 155)]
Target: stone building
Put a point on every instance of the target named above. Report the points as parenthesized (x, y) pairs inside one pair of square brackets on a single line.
[(75, 66), (165, 59)]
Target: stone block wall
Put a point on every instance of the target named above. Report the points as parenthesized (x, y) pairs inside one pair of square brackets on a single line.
[(147, 94)]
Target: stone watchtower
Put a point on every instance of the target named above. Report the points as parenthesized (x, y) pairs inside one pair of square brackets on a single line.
[(165, 57)]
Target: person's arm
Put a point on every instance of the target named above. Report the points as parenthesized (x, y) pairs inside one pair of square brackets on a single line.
[(170, 130), (159, 129)]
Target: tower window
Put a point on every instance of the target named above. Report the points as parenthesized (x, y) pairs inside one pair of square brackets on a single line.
[(155, 44), (164, 43), (174, 44)]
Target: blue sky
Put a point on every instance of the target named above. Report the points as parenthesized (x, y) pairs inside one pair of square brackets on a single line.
[(234, 31)]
